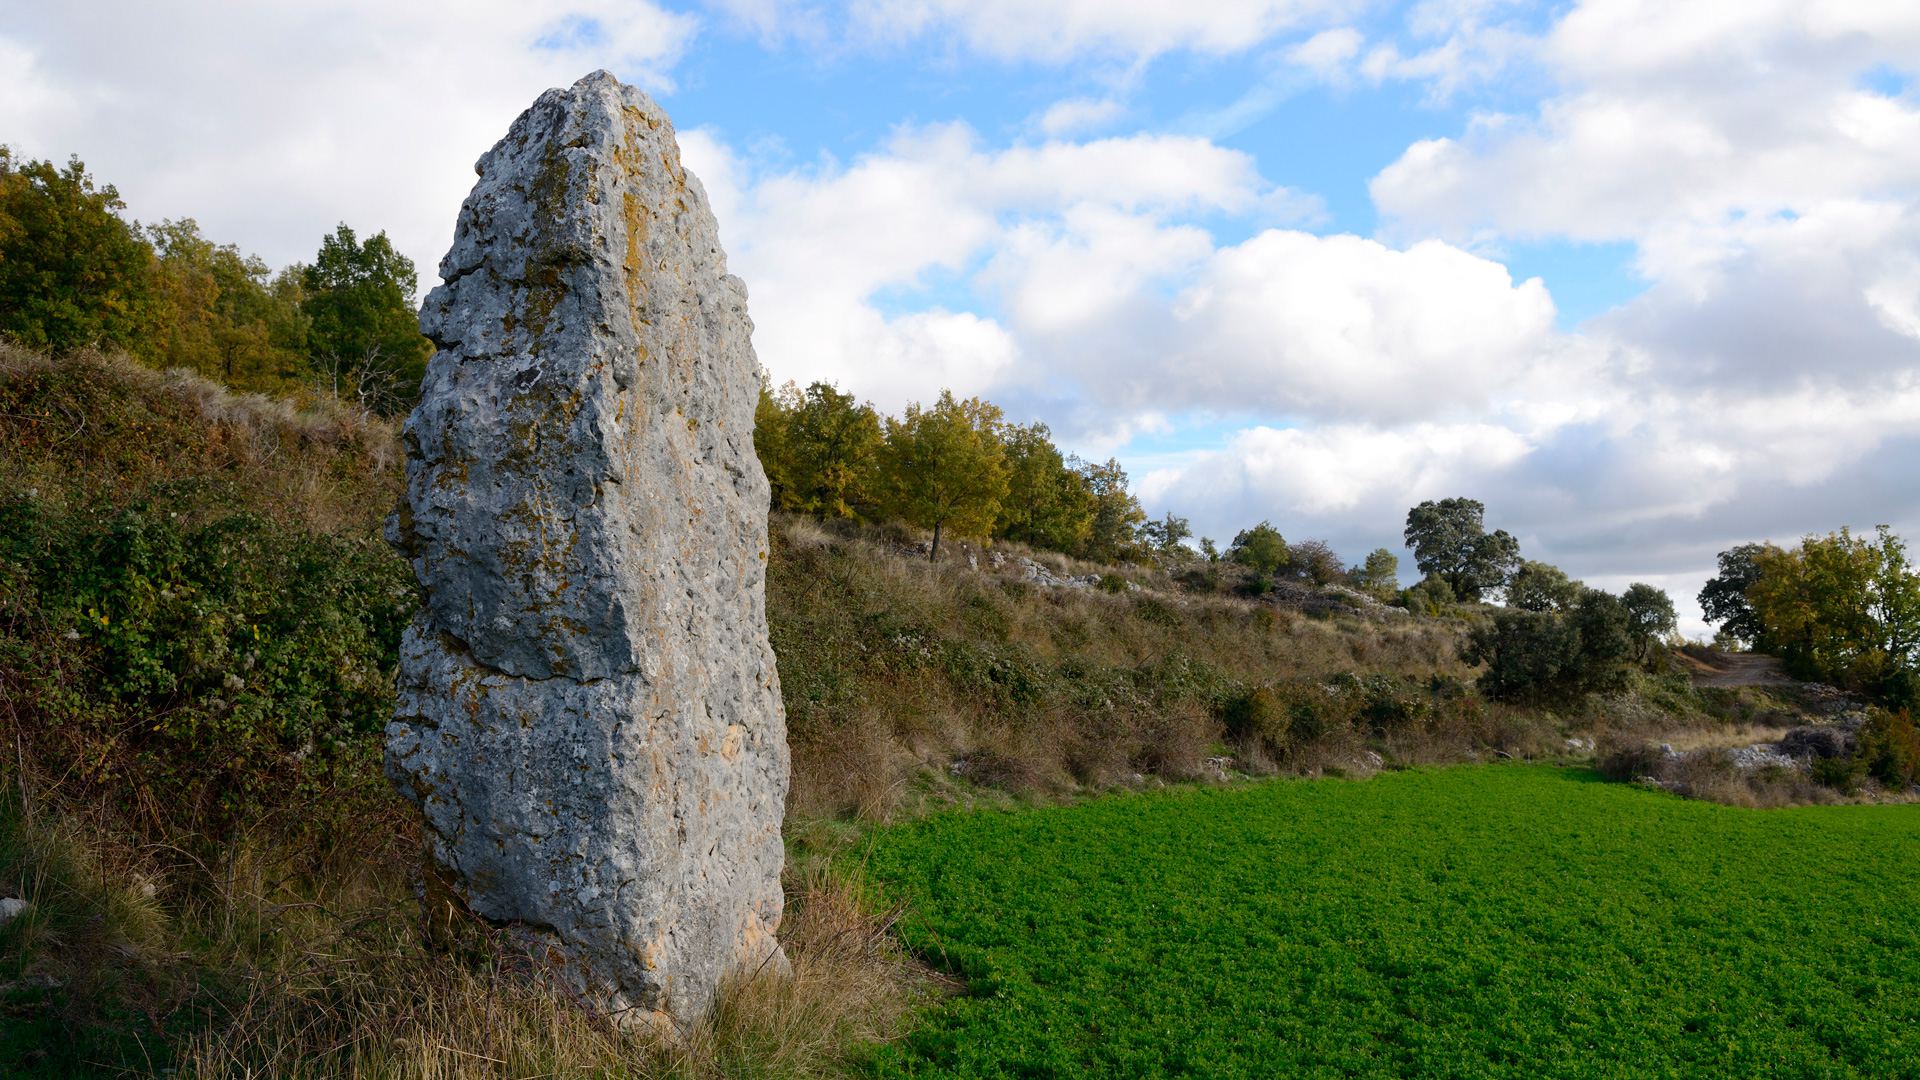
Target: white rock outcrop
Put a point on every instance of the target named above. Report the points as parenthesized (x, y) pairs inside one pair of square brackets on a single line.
[(589, 715)]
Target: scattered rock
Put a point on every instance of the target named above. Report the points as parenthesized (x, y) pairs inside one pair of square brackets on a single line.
[(1579, 745), (1310, 600), (1038, 574), (1761, 756), (589, 714), (11, 908), (1216, 768)]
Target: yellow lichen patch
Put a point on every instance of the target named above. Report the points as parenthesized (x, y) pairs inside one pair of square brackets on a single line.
[(734, 740), (545, 288)]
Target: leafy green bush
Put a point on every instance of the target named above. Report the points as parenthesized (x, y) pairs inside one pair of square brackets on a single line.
[(1890, 747), (1839, 773), (1544, 657), (193, 653), (1257, 714)]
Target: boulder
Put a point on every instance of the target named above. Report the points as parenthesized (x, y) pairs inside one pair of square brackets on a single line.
[(589, 715), (1823, 741)]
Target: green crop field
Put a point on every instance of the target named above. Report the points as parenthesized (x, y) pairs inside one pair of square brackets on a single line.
[(1485, 921)]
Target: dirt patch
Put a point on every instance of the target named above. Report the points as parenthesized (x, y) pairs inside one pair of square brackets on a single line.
[(1717, 667)]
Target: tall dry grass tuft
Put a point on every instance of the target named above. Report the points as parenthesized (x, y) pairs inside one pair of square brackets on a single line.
[(281, 958), (113, 428), (381, 1007), (852, 986)]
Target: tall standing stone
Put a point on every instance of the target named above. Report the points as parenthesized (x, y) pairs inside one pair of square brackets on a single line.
[(589, 715)]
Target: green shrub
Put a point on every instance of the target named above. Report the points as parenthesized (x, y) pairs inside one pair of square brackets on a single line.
[(1890, 747), (194, 654), (1839, 773), (1541, 657), (1257, 714)]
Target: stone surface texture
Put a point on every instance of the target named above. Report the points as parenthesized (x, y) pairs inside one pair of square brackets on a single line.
[(589, 715)]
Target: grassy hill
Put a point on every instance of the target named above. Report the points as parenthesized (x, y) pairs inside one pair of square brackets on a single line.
[(198, 625)]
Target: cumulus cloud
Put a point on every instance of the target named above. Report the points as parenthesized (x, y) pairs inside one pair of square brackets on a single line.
[(1346, 326), (1073, 116), (1694, 112), (1058, 233), (1057, 30), (372, 113), (1763, 385)]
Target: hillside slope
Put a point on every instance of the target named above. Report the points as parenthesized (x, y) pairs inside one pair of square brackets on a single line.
[(198, 628)]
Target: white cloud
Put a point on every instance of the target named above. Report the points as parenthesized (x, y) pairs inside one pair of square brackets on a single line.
[(1057, 30), (1328, 53), (1692, 112), (1345, 326), (1764, 384), (272, 122), (1073, 116), (1314, 475), (1061, 231)]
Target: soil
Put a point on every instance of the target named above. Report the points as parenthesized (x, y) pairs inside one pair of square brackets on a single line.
[(1717, 667)]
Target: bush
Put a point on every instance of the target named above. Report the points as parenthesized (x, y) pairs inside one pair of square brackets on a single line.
[(1839, 773), (1257, 715), (1543, 657), (192, 654), (1890, 748), (1627, 761)]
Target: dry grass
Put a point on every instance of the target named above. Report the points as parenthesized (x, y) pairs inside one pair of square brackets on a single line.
[(107, 425), (907, 681), (277, 959), (1709, 775)]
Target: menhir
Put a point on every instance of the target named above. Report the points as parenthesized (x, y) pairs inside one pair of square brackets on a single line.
[(589, 715)]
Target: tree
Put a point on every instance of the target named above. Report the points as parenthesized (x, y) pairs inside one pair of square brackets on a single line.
[(1260, 549), (1449, 540), (832, 445), (1538, 586), (72, 271), (1378, 576), (1049, 504), (1650, 617), (1114, 533), (1724, 598), (365, 331), (222, 314), (770, 446), (1841, 608), (1167, 534), (1550, 657), (946, 468), (1314, 560)]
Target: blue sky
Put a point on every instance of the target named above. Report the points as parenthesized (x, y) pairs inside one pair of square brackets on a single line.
[(1643, 277)]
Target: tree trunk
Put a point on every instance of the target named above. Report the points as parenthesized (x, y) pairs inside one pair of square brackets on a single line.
[(934, 555)]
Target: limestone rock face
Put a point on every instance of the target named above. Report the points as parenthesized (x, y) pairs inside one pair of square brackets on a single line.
[(589, 714)]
